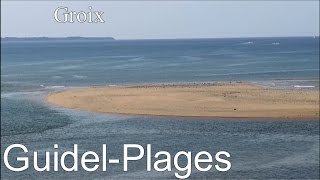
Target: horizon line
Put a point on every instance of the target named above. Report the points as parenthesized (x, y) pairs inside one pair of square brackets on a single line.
[(193, 38)]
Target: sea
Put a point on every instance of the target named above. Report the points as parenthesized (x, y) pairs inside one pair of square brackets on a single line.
[(260, 148)]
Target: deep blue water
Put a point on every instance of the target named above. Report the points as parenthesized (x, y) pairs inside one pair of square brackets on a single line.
[(259, 148), (114, 62)]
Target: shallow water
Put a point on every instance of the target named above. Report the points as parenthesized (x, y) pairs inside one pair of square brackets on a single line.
[(259, 148)]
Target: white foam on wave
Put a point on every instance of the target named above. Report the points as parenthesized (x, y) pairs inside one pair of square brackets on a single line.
[(70, 67), (245, 43), (275, 43), (135, 59), (52, 87), (79, 76), (299, 86)]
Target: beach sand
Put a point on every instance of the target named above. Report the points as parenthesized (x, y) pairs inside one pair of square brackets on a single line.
[(221, 100)]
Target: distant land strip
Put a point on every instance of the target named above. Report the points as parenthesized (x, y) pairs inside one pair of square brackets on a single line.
[(73, 38)]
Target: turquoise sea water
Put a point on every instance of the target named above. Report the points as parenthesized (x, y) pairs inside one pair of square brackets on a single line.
[(259, 148)]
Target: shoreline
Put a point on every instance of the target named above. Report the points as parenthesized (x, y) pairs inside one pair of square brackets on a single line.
[(281, 84), (196, 100)]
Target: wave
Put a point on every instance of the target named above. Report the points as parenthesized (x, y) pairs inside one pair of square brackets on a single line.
[(300, 86), (69, 67), (191, 58), (257, 73), (52, 87), (21, 95), (79, 76), (246, 43)]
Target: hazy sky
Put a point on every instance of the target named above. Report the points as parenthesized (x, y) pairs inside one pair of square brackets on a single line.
[(156, 19)]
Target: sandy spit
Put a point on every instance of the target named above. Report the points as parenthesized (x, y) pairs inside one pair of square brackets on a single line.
[(226, 100)]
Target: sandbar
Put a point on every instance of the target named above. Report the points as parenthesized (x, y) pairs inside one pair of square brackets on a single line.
[(236, 100)]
